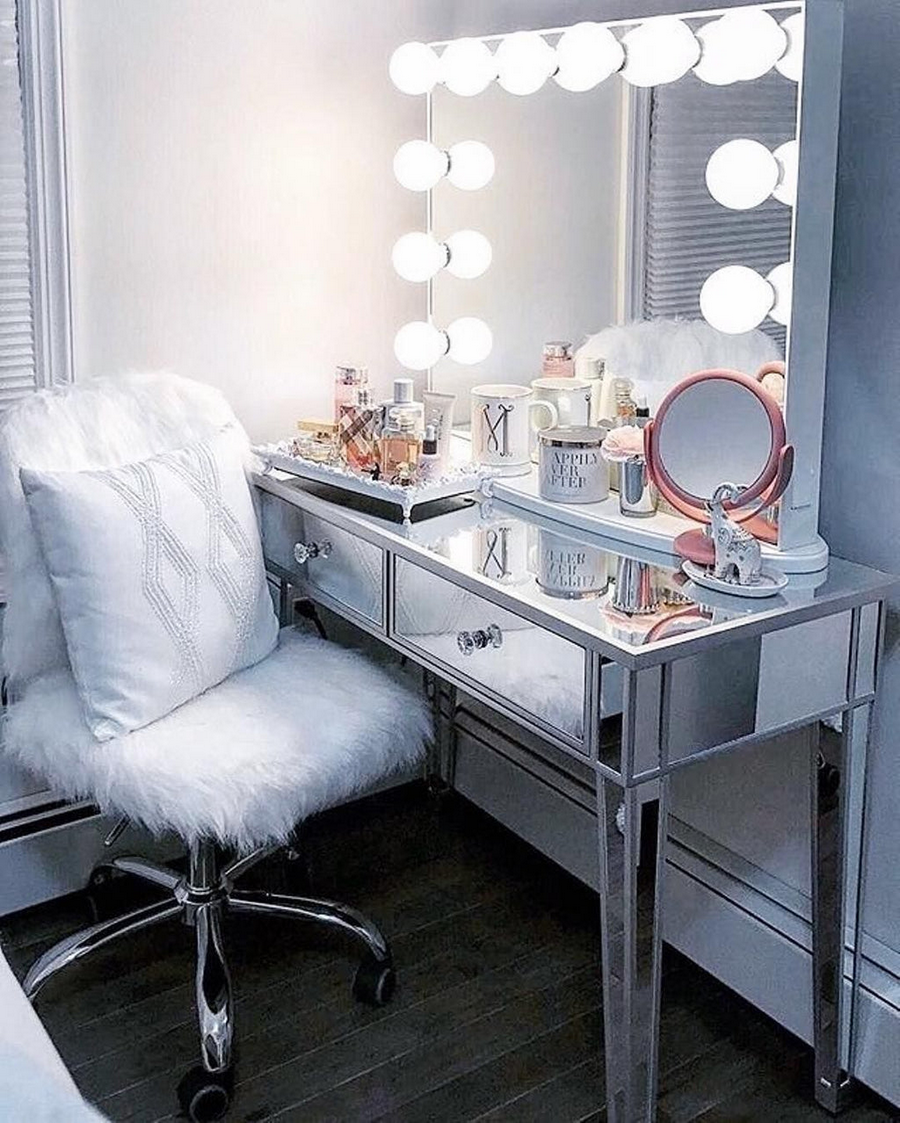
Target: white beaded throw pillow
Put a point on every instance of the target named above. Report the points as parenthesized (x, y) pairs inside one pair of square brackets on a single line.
[(158, 573)]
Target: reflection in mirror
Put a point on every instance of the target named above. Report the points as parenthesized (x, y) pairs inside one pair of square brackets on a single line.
[(715, 431), (618, 204)]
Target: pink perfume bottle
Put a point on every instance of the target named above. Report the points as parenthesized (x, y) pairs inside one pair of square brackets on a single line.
[(358, 432), (347, 381), (558, 361)]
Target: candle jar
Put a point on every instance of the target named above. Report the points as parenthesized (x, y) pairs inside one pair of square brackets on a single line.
[(571, 468)]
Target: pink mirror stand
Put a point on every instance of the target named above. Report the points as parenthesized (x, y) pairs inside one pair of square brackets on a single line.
[(696, 545)]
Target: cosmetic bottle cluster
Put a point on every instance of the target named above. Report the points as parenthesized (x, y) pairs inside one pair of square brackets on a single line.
[(400, 440)]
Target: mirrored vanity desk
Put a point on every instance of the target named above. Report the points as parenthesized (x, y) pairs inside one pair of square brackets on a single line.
[(612, 661)]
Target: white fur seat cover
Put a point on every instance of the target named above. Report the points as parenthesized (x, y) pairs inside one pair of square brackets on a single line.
[(308, 727)]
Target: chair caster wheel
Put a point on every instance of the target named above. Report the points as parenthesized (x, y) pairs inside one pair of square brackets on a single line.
[(375, 981), (205, 1096)]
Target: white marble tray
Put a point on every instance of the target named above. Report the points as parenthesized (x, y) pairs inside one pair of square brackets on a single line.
[(462, 480)]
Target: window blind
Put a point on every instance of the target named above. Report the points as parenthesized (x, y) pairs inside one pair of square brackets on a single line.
[(17, 350), (688, 234)]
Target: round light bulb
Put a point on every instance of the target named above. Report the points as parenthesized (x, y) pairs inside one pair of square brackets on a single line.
[(467, 67), (470, 340), (660, 50), (470, 254), (418, 256), (791, 62), (471, 165), (782, 281), (414, 68), (741, 174), (739, 47), (736, 299), (418, 345), (525, 60), (787, 157), (419, 165), (587, 54)]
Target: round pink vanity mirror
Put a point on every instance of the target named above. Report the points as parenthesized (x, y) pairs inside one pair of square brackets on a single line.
[(714, 427)]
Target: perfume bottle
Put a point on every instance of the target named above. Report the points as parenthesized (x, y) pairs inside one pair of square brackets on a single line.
[(358, 432), (429, 468), (403, 399), (626, 410), (557, 361), (347, 381), (398, 446), (317, 440)]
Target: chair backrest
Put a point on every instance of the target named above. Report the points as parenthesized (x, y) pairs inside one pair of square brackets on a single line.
[(659, 353), (103, 423)]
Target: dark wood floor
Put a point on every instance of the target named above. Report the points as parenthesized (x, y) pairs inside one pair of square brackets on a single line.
[(497, 1016)]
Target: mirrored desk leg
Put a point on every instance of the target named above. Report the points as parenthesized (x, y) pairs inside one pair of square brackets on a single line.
[(440, 759), (838, 803), (631, 933)]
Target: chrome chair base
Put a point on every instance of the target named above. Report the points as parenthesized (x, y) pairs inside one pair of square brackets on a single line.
[(201, 899)]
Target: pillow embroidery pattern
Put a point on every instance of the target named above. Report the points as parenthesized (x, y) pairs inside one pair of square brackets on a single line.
[(178, 609), (201, 474)]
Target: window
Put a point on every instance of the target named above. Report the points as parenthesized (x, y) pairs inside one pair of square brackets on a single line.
[(35, 346), (688, 235)]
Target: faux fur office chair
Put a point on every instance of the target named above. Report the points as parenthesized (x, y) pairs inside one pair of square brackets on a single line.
[(238, 765)]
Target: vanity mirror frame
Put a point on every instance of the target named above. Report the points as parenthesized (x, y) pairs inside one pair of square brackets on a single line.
[(818, 104), (763, 491)]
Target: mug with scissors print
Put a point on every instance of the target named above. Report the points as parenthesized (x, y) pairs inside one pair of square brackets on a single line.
[(501, 427)]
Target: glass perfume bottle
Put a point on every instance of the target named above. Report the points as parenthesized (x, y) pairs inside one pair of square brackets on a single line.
[(399, 446), (557, 361), (358, 431), (626, 410), (347, 383), (429, 467)]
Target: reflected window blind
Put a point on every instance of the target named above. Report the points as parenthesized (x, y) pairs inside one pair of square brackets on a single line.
[(17, 358), (688, 234)]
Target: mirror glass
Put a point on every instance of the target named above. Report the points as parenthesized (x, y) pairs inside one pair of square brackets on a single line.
[(714, 432), (601, 212)]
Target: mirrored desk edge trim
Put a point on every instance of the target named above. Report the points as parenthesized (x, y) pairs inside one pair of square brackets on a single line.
[(876, 588)]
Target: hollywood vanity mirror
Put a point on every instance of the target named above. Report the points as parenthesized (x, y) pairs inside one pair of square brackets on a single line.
[(595, 184)]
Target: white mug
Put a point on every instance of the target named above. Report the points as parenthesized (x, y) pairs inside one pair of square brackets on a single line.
[(501, 427), (571, 396)]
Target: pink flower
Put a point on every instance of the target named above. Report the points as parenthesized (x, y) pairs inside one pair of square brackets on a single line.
[(624, 442)]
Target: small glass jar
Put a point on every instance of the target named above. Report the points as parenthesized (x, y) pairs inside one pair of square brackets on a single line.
[(558, 361)]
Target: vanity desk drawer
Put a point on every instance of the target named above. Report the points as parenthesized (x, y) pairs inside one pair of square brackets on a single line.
[(508, 658), (323, 558)]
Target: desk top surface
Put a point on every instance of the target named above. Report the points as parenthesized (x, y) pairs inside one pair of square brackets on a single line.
[(575, 582)]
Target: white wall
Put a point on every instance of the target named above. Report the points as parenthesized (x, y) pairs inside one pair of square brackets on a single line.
[(233, 205)]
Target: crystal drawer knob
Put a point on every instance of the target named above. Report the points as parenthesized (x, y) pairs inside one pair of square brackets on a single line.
[(305, 551), (470, 642)]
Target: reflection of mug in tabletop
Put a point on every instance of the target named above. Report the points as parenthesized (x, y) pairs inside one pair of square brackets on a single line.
[(501, 551), (569, 569)]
